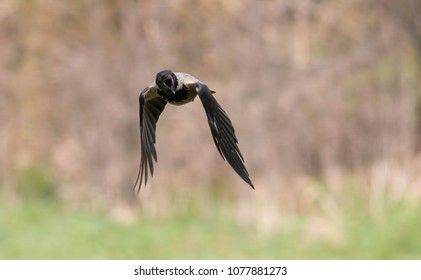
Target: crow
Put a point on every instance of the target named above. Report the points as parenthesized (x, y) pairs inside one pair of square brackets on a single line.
[(178, 88)]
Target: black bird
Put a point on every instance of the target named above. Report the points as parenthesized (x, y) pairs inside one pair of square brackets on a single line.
[(179, 88)]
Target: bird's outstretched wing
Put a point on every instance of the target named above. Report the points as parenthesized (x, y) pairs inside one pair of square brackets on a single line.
[(151, 106), (223, 132)]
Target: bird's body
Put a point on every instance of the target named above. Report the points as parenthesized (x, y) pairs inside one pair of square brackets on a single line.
[(179, 88), (184, 92)]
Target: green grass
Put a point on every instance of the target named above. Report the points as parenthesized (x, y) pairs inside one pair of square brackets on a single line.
[(44, 230)]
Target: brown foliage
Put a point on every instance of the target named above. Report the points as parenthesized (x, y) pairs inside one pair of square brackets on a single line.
[(310, 86)]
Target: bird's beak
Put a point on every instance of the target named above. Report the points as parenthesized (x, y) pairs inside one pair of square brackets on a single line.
[(173, 89)]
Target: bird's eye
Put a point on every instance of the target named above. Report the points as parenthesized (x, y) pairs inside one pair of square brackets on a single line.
[(168, 82)]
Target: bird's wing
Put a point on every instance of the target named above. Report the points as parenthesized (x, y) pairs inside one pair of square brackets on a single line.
[(151, 106), (222, 132)]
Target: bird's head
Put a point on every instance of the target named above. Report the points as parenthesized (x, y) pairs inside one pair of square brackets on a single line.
[(166, 81)]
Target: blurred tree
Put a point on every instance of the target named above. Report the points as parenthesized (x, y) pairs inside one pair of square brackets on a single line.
[(311, 86)]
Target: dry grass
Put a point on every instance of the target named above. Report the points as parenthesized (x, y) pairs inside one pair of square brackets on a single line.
[(324, 97)]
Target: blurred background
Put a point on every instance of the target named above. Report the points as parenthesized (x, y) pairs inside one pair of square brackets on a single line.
[(325, 97)]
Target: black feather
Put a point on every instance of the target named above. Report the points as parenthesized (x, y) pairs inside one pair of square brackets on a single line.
[(149, 113), (223, 132)]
